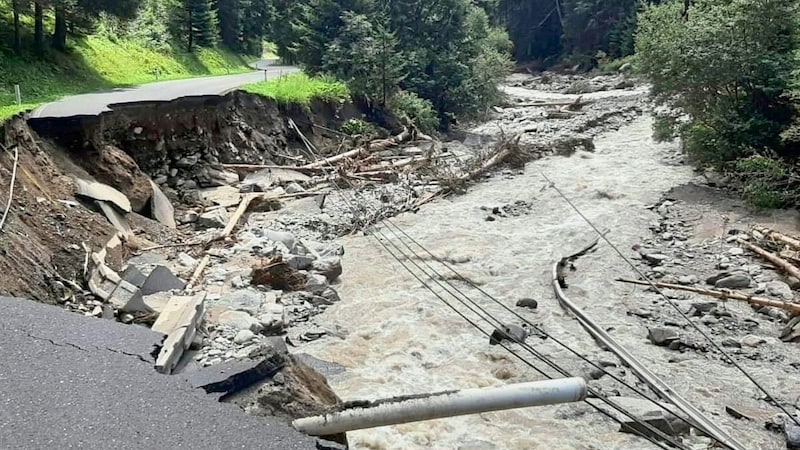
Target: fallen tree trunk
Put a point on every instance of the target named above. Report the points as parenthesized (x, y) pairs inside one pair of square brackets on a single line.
[(722, 295), (772, 234), (774, 259)]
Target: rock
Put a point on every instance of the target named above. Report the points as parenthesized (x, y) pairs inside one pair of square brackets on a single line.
[(330, 267), (528, 303), (752, 341), (134, 276), (186, 260), (225, 196), (325, 249), (222, 177), (701, 308), (791, 332), (655, 259), (513, 333), (116, 168), (662, 337), (294, 188), (324, 444), (644, 410), (792, 433), (273, 318), (736, 251), (161, 208), (190, 217), (780, 289), (160, 180), (331, 295), (263, 180), (239, 320), (286, 239), (244, 336), (299, 262), (248, 300), (316, 284), (161, 279), (188, 161), (737, 280), (688, 280), (217, 218)]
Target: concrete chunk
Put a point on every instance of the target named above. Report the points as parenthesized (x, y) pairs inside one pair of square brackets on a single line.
[(161, 279), (116, 219), (104, 192), (133, 276), (161, 208), (225, 196), (179, 321)]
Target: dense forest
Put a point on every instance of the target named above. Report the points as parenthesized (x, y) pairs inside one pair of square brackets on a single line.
[(725, 71)]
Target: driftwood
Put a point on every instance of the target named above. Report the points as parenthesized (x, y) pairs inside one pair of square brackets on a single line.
[(256, 167), (780, 237), (375, 146), (500, 157), (774, 259), (198, 273), (577, 103), (722, 295)]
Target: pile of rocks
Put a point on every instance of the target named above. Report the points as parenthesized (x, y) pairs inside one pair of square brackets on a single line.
[(671, 256)]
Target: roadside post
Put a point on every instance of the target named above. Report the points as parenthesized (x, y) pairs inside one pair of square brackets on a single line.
[(18, 94)]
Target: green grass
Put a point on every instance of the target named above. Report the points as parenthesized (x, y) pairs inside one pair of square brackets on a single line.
[(300, 89), (94, 63)]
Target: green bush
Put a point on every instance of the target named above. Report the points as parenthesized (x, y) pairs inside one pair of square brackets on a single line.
[(411, 109), (728, 65), (359, 128), (767, 182)]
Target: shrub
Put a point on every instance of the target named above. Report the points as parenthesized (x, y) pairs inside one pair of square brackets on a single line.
[(411, 109), (728, 65)]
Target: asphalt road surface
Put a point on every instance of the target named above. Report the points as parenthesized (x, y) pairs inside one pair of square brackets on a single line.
[(96, 103), (68, 381)]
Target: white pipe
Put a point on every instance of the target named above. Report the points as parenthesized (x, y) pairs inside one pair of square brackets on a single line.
[(468, 401)]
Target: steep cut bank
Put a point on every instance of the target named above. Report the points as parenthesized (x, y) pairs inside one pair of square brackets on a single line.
[(179, 145)]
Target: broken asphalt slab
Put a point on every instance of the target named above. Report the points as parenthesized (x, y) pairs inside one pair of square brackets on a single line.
[(80, 382)]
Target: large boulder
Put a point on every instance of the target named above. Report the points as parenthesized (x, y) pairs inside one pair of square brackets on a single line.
[(116, 168)]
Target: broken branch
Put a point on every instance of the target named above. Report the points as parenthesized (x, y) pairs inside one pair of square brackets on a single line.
[(722, 295), (774, 259), (772, 234)]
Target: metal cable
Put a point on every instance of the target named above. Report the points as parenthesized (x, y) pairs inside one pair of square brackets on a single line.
[(526, 321), (595, 393), (665, 297)]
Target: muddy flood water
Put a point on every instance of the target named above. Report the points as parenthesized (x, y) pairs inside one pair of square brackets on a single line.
[(395, 338)]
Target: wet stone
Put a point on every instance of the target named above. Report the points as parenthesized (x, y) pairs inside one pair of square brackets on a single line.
[(662, 337), (734, 281), (528, 303)]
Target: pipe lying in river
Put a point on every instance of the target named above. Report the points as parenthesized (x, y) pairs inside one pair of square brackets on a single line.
[(451, 404)]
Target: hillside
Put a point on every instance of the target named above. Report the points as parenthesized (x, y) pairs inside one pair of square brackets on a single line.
[(96, 62)]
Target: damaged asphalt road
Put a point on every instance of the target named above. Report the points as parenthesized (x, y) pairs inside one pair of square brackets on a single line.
[(98, 389)]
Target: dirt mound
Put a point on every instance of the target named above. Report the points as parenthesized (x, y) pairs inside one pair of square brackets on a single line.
[(41, 244)]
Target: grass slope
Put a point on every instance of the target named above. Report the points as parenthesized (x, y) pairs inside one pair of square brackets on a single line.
[(299, 88), (94, 63)]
